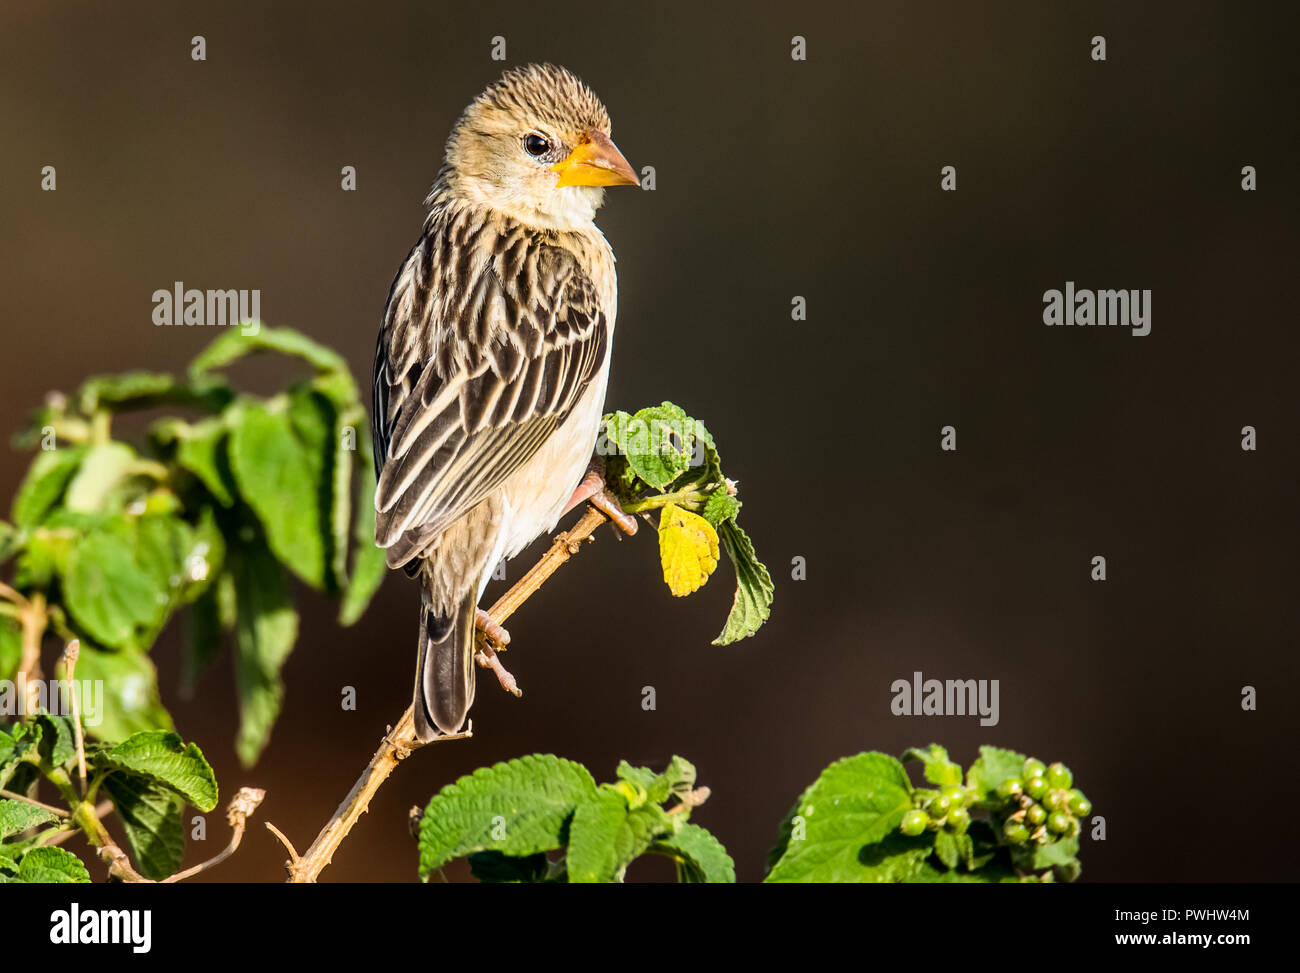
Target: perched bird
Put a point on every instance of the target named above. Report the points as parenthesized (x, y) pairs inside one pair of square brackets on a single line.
[(493, 359)]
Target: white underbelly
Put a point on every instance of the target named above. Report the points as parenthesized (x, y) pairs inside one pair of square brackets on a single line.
[(535, 496)]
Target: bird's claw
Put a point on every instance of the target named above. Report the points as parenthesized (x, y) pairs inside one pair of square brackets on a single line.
[(592, 489)]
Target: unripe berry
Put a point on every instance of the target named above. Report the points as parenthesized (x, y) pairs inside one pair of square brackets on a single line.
[(914, 822), (1010, 788), (1036, 787), (1033, 768), (939, 806), (1059, 822), (1079, 805), (1035, 814), (1058, 775), (956, 795), (1057, 799), (958, 820), (1015, 832)]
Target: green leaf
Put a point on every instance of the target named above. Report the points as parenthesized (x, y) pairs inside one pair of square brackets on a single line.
[(143, 390), (57, 743), (700, 856), (47, 865), (369, 566), (103, 468), (279, 475), (11, 541), (44, 484), (754, 587), (17, 816), (657, 442), (856, 802), (520, 807), (11, 646), (606, 836), (151, 819), (201, 450), (938, 769), (234, 344), (720, 506), (1038, 857), (161, 756), (129, 703), (203, 636), (991, 769), (266, 630), (107, 591)]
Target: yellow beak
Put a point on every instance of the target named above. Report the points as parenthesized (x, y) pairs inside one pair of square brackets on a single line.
[(595, 162)]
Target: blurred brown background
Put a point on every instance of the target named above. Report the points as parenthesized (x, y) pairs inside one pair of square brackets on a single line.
[(775, 178)]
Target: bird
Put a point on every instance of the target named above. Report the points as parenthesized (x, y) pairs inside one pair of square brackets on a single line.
[(493, 360)]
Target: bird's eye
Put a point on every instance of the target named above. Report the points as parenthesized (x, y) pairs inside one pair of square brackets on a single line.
[(535, 145)]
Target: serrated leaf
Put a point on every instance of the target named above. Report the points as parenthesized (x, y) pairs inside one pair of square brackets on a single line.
[(279, 476), (937, 768), (56, 743), (44, 484), (856, 802), (151, 818), (369, 567), (17, 816), (46, 865), (606, 836), (701, 856), (991, 769), (688, 549), (519, 807), (754, 587), (266, 630), (161, 756), (720, 506), (142, 389), (1060, 852), (657, 442)]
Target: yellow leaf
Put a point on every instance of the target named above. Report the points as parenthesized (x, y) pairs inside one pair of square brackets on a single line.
[(688, 549)]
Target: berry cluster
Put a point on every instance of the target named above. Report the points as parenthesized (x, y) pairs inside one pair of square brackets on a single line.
[(1041, 804), (949, 810)]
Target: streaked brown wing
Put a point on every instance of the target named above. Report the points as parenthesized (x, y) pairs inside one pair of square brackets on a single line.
[(451, 441)]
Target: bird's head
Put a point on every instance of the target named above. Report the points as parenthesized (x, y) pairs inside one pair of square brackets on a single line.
[(535, 147)]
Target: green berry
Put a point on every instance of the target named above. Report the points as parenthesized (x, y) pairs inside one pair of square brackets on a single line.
[(956, 795), (1010, 789), (1033, 768), (1057, 800), (914, 822), (1035, 814), (1058, 775), (1036, 787), (939, 806), (1015, 832), (1059, 822), (958, 820), (1079, 805)]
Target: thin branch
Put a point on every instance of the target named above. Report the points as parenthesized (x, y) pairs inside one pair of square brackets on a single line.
[(12, 594), (34, 620), (59, 837), (238, 811), (69, 673), (401, 740), (13, 796)]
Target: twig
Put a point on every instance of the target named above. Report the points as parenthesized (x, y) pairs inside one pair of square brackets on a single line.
[(401, 740), (33, 619), (59, 837), (238, 811), (11, 795), (13, 595), (69, 673)]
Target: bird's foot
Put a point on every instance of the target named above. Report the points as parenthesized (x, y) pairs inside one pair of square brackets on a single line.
[(592, 489), (490, 627), (488, 659)]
